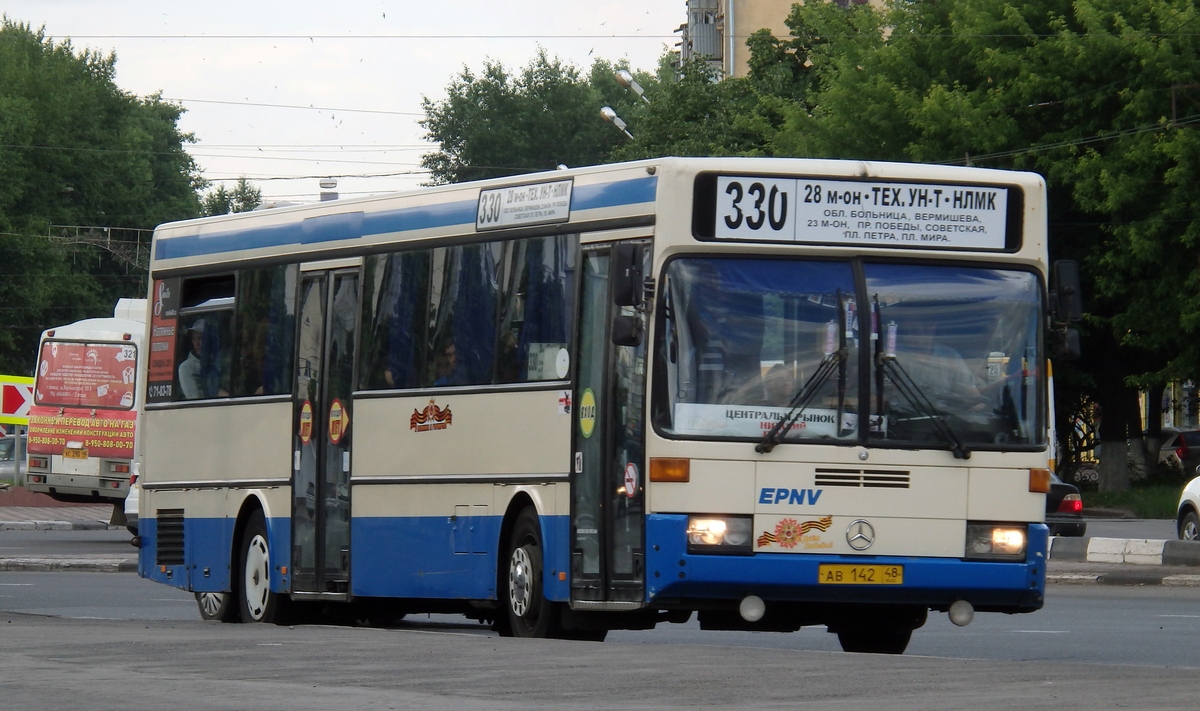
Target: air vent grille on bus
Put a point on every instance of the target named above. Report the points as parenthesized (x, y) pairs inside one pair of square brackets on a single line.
[(862, 478), (169, 541)]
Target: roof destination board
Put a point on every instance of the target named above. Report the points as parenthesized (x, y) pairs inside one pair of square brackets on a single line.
[(523, 205), (858, 212)]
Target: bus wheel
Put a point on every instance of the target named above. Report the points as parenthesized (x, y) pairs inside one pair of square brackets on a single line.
[(882, 631), (529, 613), (881, 641), (217, 606), (258, 602)]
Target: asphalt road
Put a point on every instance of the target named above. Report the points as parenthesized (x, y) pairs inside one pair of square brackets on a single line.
[(116, 641), (1132, 528), (1155, 626), (52, 662)]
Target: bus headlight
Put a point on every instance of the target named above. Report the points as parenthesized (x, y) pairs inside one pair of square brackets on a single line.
[(719, 534), (996, 541)]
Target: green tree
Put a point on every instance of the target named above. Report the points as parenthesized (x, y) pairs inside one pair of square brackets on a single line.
[(691, 113), (499, 123), (243, 198), (75, 150), (1080, 92)]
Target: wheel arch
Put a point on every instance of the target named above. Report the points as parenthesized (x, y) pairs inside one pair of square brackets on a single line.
[(518, 503), (1185, 508), (250, 504)]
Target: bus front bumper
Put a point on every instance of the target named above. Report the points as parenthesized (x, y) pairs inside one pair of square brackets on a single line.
[(676, 577)]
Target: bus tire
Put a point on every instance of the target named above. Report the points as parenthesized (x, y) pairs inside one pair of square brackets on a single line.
[(880, 631), (258, 603), (526, 610), (217, 606), (881, 641)]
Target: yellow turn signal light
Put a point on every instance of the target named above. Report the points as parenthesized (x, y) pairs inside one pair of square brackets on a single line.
[(665, 469), (1039, 481)]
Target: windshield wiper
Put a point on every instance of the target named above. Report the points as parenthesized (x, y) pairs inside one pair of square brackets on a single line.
[(831, 361), (912, 392), (800, 402)]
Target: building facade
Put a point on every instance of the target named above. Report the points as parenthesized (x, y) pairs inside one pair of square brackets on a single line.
[(718, 30)]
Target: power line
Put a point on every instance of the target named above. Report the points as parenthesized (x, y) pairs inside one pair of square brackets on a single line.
[(304, 160), (1188, 120), (294, 106), (328, 175), (658, 37), (355, 147), (356, 38)]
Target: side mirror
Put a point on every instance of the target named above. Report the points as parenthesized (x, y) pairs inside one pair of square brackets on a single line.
[(627, 330), (1068, 299), (626, 277)]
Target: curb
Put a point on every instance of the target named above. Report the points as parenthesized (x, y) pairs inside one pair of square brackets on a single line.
[(56, 526), (1145, 577), (1128, 551), (69, 565)]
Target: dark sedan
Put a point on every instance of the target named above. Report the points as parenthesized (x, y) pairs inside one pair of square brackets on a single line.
[(1064, 509)]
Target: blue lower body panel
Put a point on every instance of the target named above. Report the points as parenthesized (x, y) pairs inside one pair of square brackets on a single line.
[(433, 557), (672, 574), (438, 558), (209, 556)]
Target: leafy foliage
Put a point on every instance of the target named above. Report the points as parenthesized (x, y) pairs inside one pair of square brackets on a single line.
[(1093, 95), (498, 123), (243, 198), (75, 150)]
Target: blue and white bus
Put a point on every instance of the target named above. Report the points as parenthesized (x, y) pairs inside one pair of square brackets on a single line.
[(767, 393)]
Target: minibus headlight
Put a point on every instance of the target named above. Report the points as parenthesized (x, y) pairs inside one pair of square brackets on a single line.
[(996, 541), (719, 534)]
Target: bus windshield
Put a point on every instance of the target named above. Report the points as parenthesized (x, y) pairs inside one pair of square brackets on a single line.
[(941, 356)]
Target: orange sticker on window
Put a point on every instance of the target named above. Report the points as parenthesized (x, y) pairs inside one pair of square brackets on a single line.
[(306, 422), (339, 421)]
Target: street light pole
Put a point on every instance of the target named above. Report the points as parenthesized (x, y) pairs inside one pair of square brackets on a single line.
[(625, 79), (611, 116)]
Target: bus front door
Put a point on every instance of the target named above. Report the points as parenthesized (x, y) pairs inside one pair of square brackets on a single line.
[(322, 432), (607, 480)]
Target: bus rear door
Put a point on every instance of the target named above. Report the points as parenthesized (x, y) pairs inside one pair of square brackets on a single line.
[(321, 433)]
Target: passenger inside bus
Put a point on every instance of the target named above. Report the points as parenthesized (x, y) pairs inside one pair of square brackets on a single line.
[(937, 368), (446, 365), (780, 385), (205, 371), (190, 382)]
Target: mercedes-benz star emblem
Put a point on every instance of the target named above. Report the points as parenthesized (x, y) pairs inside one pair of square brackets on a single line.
[(860, 534)]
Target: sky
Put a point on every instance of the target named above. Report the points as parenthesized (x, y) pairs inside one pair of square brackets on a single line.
[(290, 93)]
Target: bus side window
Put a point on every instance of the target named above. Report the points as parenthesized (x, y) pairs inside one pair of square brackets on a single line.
[(462, 316), (535, 308), (266, 322), (205, 352), (395, 304), (498, 312)]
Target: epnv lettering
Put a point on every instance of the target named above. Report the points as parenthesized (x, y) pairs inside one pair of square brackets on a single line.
[(800, 497)]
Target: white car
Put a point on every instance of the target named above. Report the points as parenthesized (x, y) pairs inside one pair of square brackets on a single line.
[(1187, 518), (12, 454), (131, 501)]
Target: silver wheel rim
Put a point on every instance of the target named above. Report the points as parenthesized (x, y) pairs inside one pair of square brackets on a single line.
[(258, 579), (211, 603), (1190, 533), (519, 582)]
